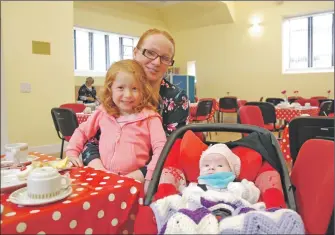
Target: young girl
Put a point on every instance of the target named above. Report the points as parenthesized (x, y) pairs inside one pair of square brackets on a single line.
[(130, 127)]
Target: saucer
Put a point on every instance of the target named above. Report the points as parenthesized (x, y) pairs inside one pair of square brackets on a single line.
[(9, 180), (20, 197), (30, 158)]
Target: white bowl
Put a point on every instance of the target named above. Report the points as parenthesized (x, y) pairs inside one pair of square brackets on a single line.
[(16, 152)]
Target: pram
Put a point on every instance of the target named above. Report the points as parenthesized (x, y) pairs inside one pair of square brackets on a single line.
[(258, 139), (261, 140)]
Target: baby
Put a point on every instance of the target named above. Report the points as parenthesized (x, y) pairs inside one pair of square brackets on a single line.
[(219, 168)]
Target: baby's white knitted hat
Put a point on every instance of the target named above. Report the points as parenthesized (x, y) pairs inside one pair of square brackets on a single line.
[(222, 149)]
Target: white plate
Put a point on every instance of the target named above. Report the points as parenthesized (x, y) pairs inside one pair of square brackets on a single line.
[(30, 158), (9, 180), (20, 197)]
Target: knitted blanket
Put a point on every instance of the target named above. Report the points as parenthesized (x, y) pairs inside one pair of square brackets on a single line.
[(194, 212)]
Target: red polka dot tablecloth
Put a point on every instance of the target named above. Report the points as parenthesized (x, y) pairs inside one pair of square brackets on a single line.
[(285, 144), (101, 203), (289, 113), (82, 117)]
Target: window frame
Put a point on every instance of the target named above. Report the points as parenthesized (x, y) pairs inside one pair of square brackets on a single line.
[(286, 46), (91, 71)]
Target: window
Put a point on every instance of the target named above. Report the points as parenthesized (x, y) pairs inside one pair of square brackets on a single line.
[(308, 44), (95, 51)]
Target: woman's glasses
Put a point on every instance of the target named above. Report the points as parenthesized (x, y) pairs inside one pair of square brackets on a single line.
[(153, 55)]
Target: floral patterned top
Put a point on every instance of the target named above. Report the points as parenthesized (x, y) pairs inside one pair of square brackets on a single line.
[(174, 109)]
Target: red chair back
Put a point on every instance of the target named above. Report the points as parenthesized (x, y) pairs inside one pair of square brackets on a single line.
[(313, 102), (251, 115), (77, 108), (319, 97), (313, 179)]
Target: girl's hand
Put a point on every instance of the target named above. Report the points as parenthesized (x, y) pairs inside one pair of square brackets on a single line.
[(97, 165), (76, 161)]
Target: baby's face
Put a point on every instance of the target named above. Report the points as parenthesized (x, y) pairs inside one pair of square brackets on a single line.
[(214, 163)]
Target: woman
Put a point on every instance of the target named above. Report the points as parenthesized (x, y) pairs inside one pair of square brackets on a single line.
[(154, 51), (87, 92)]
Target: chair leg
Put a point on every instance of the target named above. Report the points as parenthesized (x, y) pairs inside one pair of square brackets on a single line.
[(61, 150)]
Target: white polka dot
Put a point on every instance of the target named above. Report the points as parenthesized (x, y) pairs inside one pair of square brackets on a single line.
[(11, 214), (89, 179), (2, 208), (76, 175), (284, 150), (93, 174), (41, 232), (79, 189), (82, 171), (85, 167), (86, 205), (138, 181), (20, 206), (287, 156), (98, 188), (123, 205), (101, 214), (125, 232), (133, 190), (106, 177), (88, 231), (111, 197), (21, 227), (140, 201), (120, 181), (73, 224), (114, 222), (288, 145), (284, 140), (73, 180), (56, 215), (74, 195), (1, 222), (34, 211), (117, 186), (94, 193), (50, 156), (84, 184), (66, 202), (288, 136), (102, 183)]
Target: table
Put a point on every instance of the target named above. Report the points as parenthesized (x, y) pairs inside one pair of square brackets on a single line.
[(82, 117), (101, 203), (289, 113)]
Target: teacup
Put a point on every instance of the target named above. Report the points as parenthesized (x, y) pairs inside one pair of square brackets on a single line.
[(46, 182), (17, 153), (307, 104)]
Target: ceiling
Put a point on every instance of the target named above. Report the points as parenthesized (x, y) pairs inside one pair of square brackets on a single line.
[(176, 15)]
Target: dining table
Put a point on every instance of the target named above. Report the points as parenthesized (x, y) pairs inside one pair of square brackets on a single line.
[(100, 203)]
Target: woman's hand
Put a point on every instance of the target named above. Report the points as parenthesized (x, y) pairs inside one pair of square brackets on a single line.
[(76, 161)]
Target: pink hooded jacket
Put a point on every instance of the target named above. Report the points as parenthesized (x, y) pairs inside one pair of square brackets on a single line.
[(122, 149)]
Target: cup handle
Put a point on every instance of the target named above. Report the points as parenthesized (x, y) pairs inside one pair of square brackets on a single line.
[(67, 183)]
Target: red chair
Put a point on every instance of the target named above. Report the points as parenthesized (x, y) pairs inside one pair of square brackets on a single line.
[(313, 102), (251, 115), (204, 112), (77, 108), (319, 97), (313, 179)]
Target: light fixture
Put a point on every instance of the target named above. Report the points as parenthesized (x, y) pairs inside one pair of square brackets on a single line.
[(256, 28)]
